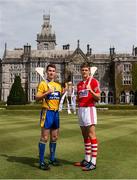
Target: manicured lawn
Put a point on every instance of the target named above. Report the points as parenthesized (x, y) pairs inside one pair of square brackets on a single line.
[(117, 156)]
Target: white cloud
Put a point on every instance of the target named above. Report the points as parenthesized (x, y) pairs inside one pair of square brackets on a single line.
[(98, 22)]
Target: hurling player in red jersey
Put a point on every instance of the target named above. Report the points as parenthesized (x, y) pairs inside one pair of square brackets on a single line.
[(88, 95)]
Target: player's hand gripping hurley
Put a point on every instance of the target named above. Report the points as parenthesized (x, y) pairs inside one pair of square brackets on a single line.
[(40, 71), (92, 72)]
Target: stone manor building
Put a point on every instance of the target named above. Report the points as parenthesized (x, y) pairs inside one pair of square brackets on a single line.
[(116, 72)]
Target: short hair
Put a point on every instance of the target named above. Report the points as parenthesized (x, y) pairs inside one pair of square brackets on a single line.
[(51, 65), (85, 64)]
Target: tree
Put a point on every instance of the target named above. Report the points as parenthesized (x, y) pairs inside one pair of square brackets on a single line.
[(17, 95), (135, 99)]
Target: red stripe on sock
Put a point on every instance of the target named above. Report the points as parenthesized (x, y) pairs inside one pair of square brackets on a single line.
[(94, 155), (94, 141), (94, 151), (86, 141)]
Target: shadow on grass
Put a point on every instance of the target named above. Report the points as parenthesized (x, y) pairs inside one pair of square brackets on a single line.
[(23, 160), (33, 162)]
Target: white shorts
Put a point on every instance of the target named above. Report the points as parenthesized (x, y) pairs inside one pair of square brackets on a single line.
[(87, 116)]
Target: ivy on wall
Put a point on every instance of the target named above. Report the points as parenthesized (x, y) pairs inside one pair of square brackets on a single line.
[(118, 85), (134, 76), (118, 81)]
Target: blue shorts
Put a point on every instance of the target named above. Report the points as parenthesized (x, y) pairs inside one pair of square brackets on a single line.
[(49, 119)]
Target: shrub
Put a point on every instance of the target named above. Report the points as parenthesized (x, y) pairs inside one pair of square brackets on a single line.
[(17, 95)]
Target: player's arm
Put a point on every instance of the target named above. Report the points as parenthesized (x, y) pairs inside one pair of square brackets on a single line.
[(96, 96), (42, 92), (96, 92), (63, 88), (40, 96)]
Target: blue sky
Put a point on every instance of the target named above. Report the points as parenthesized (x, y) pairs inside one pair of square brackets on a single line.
[(100, 23)]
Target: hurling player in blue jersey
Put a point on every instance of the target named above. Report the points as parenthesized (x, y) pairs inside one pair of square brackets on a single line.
[(49, 93)]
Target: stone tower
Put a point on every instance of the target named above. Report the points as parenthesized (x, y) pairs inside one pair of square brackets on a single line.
[(46, 40)]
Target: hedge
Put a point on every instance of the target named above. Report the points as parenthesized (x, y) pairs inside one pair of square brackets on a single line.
[(38, 107)]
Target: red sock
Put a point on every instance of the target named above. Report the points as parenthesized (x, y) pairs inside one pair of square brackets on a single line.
[(94, 149), (87, 144)]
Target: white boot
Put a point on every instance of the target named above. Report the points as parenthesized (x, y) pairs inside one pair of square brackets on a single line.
[(69, 112)]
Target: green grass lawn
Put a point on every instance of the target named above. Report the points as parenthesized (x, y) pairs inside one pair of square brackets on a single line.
[(116, 132)]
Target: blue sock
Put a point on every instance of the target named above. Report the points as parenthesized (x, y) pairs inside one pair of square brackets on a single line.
[(42, 147), (52, 147)]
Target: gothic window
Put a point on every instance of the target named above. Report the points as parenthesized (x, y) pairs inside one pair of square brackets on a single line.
[(103, 97), (127, 79), (77, 68), (33, 94), (127, 76), (43, 64), (122, 97), (110, 98), (38, 78), (131, 96), (46, 46), (33, 76), (33, 65), (127, 67)]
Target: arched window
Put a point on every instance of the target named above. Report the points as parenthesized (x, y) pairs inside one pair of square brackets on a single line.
[(103, 97), (110, 98), (122, 97), (131, 97)]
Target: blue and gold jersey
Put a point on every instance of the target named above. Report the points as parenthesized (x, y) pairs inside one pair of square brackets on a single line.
[(51, 101)]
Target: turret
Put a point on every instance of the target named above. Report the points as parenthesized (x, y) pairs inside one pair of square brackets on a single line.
[(46, 40)]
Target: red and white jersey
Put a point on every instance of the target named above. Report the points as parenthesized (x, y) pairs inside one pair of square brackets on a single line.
[(85, 98)]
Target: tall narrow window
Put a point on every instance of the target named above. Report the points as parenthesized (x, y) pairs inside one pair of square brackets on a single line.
[(103, 97), (122, 97), (110, 98), (46, 46), (131, 96), (33, 94), (127, 76)]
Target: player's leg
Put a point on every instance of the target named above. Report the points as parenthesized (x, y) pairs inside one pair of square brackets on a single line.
[(42, 147), (45, 129), (94, 144), (85, 134), (68, 105), (52, 145), (54, 133), (94, 149), (93, 139), (87, 146), (87, 143), (92, 135)]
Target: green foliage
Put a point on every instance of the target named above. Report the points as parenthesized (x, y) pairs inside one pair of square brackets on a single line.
[(32, 107), (25, 107), (118, 82), (134, 81), (17, 95), (116, 107), (134, 76)]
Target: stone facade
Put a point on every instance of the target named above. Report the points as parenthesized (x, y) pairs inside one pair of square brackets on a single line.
[(115, 71)]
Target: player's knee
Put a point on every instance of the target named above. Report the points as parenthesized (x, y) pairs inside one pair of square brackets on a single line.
[(54, 138), (44, 139), (92, 135)]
